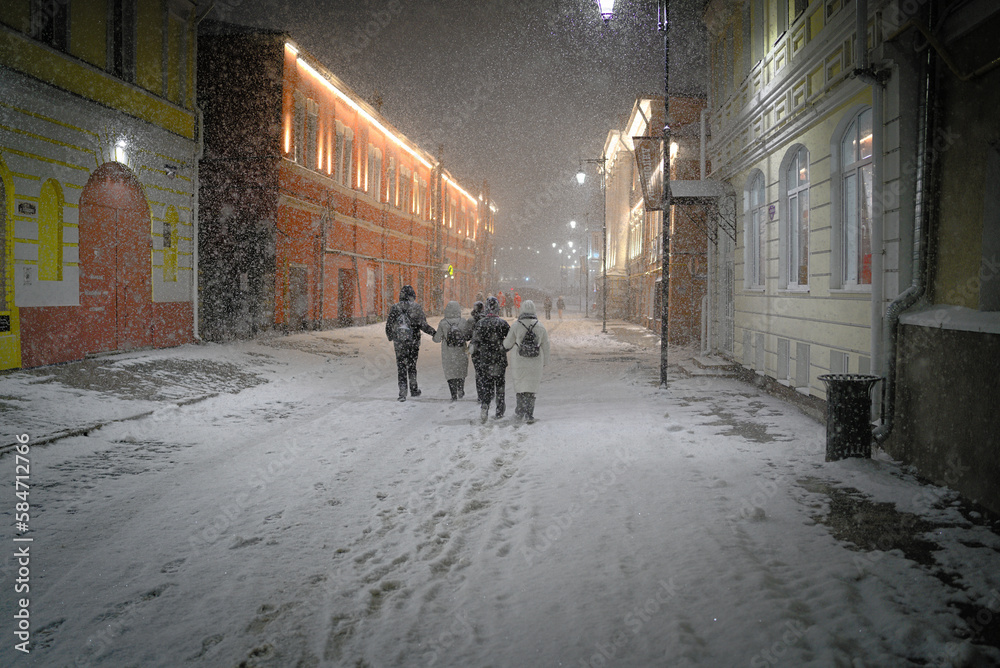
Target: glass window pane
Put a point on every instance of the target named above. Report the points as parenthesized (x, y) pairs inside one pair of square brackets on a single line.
[(803, 238), (793, 226), (761, 232), (865, 226), (850, 228), (865, 133), (803, 166), (849, 147)]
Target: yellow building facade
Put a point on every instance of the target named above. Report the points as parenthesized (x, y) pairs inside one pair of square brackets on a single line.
[(811, 149), (87, 84)]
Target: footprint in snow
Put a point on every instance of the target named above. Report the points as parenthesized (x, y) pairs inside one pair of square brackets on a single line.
[(172, 566)]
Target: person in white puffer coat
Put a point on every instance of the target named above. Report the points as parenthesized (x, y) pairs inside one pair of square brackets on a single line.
[(526, 371)]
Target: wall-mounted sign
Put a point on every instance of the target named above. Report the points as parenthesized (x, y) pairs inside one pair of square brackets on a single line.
[(25, 207), (771, 210)]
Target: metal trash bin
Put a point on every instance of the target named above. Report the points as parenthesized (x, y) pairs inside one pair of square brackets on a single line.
[(848, 415)]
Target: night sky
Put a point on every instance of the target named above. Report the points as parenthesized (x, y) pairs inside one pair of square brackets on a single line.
[(515, 92)]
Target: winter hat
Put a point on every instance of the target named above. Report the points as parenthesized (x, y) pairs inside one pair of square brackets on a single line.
[(407, 293), (492, 306), (528, 307)]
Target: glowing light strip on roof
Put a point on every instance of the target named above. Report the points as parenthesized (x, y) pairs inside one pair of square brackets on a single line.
[(354, 105), (460, 188)]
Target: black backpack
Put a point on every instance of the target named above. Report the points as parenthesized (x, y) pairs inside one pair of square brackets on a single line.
[(403, 333), (456, 334), (529, 344)]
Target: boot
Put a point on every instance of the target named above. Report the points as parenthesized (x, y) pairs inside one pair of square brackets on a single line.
[(453, 386), (519, 408), (529, 407), (461, 387), (402, 392), (484, 413)]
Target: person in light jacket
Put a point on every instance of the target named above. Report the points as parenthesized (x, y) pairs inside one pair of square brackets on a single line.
[(454, 358), (526, 371)]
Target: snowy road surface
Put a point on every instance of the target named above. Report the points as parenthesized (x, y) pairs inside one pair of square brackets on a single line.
[(313, 520)]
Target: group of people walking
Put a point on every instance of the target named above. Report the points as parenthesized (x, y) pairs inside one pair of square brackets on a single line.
[(486, 338)]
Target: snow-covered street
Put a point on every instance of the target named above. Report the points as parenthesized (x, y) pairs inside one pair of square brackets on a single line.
[(288, 511)]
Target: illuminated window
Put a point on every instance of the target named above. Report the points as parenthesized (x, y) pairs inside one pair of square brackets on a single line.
[(796, 180), (856, 232), (171, 222), (755, 231), (50, 232)]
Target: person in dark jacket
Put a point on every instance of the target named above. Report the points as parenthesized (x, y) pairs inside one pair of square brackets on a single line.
[(488, 337), (407, 346), (548, 307), (478, 311)]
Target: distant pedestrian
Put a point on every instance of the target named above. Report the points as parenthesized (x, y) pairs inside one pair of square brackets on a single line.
[(453, 333), (529, 342), (502, 298), (478, 311), (403, 325), (510, 302), (560, 305), (517, 303), (488, 338), (548, 307)]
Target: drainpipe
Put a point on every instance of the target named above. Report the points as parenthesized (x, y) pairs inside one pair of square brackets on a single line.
[(708, 303), (863, 63), (704, 134), (921, 239)]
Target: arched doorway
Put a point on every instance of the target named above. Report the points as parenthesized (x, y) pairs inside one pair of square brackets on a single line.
[(115, 261)]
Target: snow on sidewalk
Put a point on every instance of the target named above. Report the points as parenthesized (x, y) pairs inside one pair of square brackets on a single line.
[(313, 520)]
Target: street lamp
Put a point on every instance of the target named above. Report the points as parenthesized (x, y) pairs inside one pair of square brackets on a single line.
[(663, 19), (581, 176)]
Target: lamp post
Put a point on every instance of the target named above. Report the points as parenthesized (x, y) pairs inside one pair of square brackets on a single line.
[(584, 263), (581, 176), (663, 19)]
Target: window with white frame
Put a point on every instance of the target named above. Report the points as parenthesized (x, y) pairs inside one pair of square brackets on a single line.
[(797, 213), (856, 233), (755, 231), (390, 178), (373, 180), (311, 140), (346, 156), (405, 190), (299, 128)]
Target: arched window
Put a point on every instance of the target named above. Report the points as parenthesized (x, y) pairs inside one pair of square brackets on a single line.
[(755, 231), (796, 183), (856, 189), (50, 232), (171, 222)]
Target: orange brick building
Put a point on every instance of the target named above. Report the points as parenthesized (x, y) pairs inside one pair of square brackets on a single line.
[(315, 210)]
